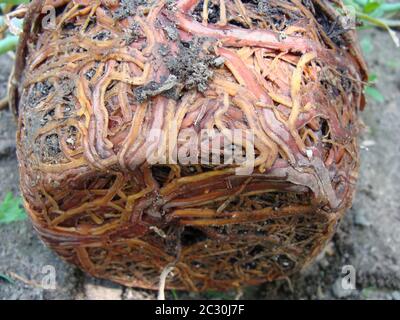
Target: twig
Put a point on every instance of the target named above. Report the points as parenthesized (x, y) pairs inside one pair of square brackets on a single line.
[(24, 280), (3, 103)]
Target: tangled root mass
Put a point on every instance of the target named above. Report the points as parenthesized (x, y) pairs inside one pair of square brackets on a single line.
[(88, 92)]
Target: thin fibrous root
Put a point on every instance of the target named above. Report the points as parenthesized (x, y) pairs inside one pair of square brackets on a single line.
[(163, 278)]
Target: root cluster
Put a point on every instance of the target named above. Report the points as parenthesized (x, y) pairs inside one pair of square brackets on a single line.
[(89, 91)]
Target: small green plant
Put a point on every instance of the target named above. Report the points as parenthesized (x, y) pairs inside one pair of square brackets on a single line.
[(377, 13), (371, 91), (11, 209), (175, 294), (8, 41)]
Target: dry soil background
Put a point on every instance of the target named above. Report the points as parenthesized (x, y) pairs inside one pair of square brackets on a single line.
[(368, 238)]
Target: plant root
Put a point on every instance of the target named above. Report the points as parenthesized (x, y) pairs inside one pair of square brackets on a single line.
[(90, 93)]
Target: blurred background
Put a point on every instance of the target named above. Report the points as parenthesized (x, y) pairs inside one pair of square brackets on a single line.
[(368, 238)]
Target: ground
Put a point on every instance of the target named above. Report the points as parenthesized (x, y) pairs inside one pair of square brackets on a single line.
[(367, 239)]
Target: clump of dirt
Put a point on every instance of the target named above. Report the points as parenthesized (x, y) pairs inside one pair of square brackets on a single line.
[(193, 65), (171, 5), (72, 137), (51, 149), (48, 116), (153, 88), (129, 8), (39, 92), (133, 33), (172, 33), (91, 72), (164, 50), (102, 35)]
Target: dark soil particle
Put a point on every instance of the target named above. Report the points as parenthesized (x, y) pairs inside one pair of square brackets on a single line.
[(72, 137), (90, 74), (47, 117), (133, 33), (40, 91), (171, 5), (70, 26), (51, 147), (172, 33), (102, 36), (164, 50)]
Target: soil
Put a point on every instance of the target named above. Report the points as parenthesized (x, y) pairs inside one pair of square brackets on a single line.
[(192, 68), (367, 239), (128, 8)]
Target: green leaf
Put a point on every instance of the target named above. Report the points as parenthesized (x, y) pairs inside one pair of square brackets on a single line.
[(375, 94), (371, 6), (11, 209), (377, 13)]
